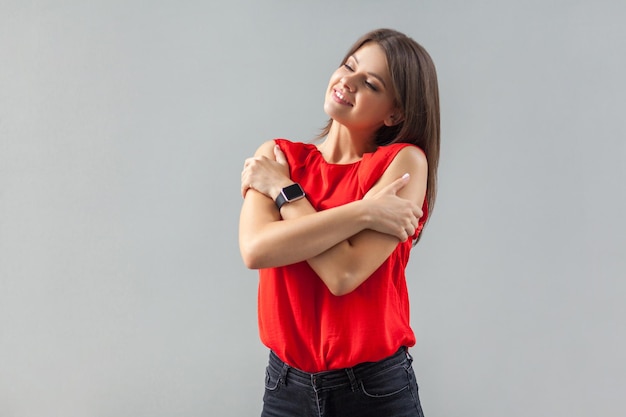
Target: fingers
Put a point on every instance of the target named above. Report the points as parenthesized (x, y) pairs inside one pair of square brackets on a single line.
[(406, 232), (410, 231), (245, 175), (279, 155), (397, 185), (405, 228), (262, 173), (417, 212), (245, 185)]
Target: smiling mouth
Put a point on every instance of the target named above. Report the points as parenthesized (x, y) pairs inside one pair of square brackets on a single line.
[(339, 97)]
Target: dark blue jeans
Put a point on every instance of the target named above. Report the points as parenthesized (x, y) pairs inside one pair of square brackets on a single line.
[(378, 389)]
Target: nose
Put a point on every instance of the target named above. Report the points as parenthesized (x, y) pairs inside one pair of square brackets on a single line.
[(346, 82)]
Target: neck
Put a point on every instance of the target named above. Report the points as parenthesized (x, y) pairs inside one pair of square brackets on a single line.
[(344, 146)]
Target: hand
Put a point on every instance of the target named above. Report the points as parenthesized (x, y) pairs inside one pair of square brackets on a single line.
[(391, 214), (266, 175)]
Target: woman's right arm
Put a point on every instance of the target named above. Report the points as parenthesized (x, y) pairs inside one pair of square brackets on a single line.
[(266, 240)]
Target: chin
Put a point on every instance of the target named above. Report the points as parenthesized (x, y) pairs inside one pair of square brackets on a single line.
[(328, 109)]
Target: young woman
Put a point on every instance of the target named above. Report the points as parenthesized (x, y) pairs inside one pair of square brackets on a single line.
[(330, 228)]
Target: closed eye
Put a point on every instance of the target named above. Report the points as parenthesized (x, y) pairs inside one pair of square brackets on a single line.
[(348, 67), (371, 86)]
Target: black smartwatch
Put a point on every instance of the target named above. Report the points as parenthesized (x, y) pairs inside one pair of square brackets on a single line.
[(288, 194)]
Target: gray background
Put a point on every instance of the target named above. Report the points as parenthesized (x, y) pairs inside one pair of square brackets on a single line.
[(123, 129)]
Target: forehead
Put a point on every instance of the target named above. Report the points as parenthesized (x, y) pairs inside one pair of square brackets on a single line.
[(372, 55)]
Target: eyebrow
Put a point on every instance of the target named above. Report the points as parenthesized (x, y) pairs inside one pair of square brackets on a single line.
[(373, 74)]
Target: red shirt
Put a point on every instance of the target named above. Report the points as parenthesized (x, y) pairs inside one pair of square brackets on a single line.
[(299, 318)]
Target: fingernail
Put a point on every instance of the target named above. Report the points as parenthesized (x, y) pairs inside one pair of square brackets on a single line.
[(405, 176)]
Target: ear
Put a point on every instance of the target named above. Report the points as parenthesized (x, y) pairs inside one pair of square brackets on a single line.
[(394, 118)]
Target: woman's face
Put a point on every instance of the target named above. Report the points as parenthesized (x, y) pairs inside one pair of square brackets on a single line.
[(360, 94)]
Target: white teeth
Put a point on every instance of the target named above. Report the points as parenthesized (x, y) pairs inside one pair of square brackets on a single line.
[(341, 97)]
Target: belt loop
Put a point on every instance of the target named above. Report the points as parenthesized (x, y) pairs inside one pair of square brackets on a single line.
[(408, 355), (353, 383), (283, 374)]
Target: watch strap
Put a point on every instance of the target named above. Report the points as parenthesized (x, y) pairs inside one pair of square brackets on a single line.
[(280, 200), (288, 194)]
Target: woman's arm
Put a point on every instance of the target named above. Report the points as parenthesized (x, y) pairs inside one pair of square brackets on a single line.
[(350, 262), (267, 241)]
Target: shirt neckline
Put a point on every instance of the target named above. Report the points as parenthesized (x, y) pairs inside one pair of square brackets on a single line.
[(319, 154)]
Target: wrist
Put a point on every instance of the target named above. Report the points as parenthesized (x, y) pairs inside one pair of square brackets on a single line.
[(278, 188), (289, 194), (363, 214)]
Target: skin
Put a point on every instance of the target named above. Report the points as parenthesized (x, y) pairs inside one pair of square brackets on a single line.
[(346, 244)]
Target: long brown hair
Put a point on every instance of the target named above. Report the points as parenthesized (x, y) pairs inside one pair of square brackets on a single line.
[(414, 80)]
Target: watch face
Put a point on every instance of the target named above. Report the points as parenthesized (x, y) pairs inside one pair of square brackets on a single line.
[(293, 191)]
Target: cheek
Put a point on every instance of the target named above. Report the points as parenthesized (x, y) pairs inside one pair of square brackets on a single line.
[(375, 105)]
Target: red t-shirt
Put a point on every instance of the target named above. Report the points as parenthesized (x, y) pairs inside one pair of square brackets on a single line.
[(299, 318)]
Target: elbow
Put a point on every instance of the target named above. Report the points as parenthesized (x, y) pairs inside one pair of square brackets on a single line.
[(342, 284), (250, 262), (339, 291), (252, 257)]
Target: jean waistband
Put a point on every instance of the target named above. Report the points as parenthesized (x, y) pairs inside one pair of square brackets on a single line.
[(339, 377)]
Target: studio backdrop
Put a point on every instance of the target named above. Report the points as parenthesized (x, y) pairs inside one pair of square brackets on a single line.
[(123, 130)]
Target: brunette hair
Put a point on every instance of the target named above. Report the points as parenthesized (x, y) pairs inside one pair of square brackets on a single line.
[(414, 80)]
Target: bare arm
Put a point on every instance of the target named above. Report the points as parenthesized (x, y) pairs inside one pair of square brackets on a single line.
[(335, 242), (266, 240), (349, 263)]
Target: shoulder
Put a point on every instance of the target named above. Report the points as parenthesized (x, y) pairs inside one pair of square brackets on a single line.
[(390, 162), (409, 159), (287, 144), (398, 155), (292, 150), (405, 158), (401, 148), (406, 153), (266, 149), (296, 151)]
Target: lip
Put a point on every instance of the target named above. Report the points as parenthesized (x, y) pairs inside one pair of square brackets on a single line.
[(340, 98)]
